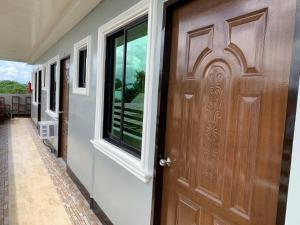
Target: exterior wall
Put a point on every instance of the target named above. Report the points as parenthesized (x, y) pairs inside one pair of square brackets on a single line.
[(44, 117), (34, 112), (293, 216), (122, 196)]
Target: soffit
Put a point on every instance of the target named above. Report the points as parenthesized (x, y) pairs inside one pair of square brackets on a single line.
[(29, 27)]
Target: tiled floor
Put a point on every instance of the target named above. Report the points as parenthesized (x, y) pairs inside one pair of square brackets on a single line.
[(39, 192)]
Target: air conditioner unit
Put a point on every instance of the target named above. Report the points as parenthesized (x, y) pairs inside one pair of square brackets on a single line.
[(46, 129)]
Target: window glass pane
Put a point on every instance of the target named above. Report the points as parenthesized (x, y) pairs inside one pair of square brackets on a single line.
[(35, 86), (53, 87), (117, 86), (124, 91), (82, 68), (44, 79), (134, 85), (39, 86)]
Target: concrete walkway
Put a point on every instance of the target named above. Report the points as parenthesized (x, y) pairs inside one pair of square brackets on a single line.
[(39, 190)]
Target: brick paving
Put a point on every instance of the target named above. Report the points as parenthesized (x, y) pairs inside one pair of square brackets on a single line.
[(74, 203)]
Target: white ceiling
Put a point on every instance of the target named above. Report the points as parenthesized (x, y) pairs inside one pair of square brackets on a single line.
[(29, 27)]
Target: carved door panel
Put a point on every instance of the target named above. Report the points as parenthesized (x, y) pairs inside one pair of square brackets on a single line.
[(65, 108), (229, 74)]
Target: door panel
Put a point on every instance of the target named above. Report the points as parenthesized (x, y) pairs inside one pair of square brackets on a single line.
[(229, 73), (65, 107)]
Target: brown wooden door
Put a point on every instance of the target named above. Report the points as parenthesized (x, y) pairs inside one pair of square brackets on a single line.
[(64, 107), (227, 98)]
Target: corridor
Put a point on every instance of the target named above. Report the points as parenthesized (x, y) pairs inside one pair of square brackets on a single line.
[(34, 186)]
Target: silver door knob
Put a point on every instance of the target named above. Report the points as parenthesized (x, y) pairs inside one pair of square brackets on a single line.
[(165, 162)]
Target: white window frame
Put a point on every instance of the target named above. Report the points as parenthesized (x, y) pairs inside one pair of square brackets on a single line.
[(34, 81), (36, 70), (44, 77), (53, 114), (84, 43), (142, 167)]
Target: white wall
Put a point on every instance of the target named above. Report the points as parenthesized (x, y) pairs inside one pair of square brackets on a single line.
[(293, 210), (123, 197)]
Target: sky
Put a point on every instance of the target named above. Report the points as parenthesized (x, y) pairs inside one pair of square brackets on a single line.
[(136, 59), (16, 71)]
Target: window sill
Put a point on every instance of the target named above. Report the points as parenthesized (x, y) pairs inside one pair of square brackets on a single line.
[(124, 159), (52, 114), (81, 91)]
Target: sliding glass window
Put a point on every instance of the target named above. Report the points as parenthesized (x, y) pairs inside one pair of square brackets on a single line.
[(52, 105), (125, 84), (82, 68), (35, 86)]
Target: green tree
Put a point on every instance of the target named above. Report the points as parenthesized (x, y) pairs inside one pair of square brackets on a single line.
[(132, 90), (12, 87), (139, 84), (118, 84)]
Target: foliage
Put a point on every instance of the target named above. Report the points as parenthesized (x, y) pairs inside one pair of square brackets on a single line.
[(136, 88), (118, 83), (12, 87), (139, 84)]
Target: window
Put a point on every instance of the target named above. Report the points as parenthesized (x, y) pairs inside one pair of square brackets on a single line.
[(39, 81), (125, 84), (44, 87), (82, 66), (53, 87), (52, 105), (35, 86), (130, 153)]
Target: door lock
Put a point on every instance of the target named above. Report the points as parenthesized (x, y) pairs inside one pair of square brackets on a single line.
[(165, 162)]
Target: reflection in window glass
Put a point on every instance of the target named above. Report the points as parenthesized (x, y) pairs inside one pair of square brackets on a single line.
[(82, 68), (134, 85), (44, 80), (53, 87), (125, 79), (35, 86), (117, 86)]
